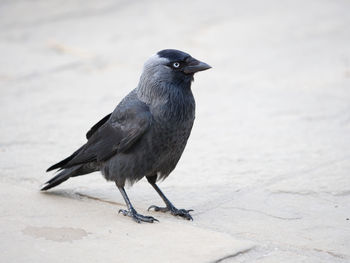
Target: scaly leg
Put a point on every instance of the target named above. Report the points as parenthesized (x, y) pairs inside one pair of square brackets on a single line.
[(169, 206), (131, 210)]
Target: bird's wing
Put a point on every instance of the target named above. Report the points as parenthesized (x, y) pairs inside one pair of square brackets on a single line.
[(123, 129), (88, 135), (97, 126)]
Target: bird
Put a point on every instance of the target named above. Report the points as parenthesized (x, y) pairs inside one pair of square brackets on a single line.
[(145, 135)]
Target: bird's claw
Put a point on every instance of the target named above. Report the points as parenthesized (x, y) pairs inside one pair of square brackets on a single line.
[(157, 208), (137, 217), (174, 211)]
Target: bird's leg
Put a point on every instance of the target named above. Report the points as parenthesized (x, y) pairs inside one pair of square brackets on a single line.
[(131, 210), (169, 206)]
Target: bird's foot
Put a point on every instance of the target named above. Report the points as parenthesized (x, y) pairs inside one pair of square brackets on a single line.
[(137, 217), (174, 211)]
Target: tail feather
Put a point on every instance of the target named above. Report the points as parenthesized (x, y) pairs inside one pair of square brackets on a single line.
[(63, 162), (64, 175), (59, 164)]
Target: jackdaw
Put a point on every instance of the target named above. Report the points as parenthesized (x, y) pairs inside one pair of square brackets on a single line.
[(145, 135)]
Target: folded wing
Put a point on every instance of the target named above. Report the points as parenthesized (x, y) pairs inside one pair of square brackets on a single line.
[(114, 134)]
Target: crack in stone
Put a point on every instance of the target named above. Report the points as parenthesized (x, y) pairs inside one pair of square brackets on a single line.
[(312, 193), (302, 193), (316, 168), (233, 255), (266, 214), (251, 210), (336, 255)]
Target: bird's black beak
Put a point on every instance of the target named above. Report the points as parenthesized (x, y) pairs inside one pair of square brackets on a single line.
[(194, 65)]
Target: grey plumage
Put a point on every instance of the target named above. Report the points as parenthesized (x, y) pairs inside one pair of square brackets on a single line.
[(145, 135)]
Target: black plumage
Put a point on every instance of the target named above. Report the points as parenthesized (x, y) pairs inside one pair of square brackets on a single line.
[(145, 135)]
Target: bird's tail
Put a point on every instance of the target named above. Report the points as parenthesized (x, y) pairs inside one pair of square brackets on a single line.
[(64, 162), (64, 175)]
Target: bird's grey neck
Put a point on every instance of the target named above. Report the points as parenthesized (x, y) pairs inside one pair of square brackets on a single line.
[(167, 100)]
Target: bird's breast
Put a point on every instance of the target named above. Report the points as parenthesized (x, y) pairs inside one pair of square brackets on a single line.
[(170, 142)]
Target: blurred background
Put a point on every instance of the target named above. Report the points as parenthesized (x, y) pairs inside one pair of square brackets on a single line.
[(268, 160)]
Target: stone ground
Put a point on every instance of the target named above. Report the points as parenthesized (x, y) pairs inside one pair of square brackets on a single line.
[(266, 168)]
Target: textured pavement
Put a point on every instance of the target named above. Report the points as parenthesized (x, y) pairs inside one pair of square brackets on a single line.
[(266, 169)]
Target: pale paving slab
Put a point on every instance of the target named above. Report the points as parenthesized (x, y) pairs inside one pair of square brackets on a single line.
[(268, 159), (73, 230)]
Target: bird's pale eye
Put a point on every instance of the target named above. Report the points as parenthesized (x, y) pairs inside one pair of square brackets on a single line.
[(176, 64)]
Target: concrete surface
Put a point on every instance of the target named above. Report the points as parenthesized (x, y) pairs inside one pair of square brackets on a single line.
[(266, 168)]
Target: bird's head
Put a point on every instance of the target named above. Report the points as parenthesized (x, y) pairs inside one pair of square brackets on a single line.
[(173, 66)]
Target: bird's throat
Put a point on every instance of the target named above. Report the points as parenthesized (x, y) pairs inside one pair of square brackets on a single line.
[(168, 101)]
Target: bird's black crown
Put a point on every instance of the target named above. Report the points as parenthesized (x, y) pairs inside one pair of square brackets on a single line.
[(173, 55)]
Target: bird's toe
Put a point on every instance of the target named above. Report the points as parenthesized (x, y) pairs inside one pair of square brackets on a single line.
[(123, 211), (174, 211), (158, 209), (149, 219), (138, 218), (184, 213)]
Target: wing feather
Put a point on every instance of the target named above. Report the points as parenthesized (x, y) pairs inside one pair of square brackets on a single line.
[(117, 134), (97, 126)]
